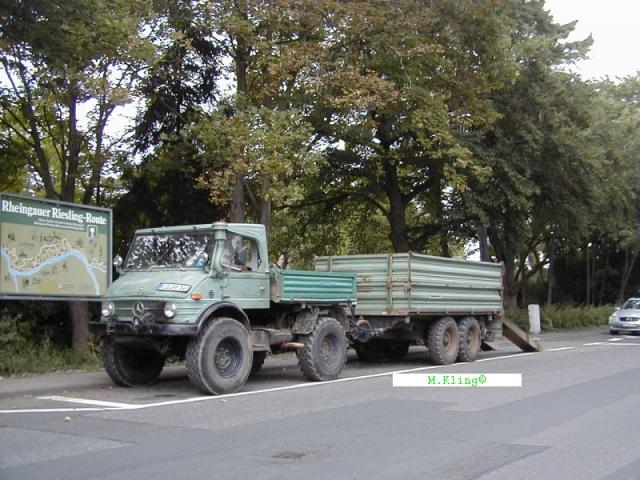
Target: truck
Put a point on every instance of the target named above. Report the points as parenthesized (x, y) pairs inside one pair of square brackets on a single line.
[(207, 294)]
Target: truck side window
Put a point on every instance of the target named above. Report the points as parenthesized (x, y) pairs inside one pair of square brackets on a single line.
[(242, 252)]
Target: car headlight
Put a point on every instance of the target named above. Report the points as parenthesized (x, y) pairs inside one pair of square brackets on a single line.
[(170, 309), (612, 318), (107, 309)]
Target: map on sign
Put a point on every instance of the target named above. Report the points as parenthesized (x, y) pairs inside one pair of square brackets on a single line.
[(51, 249)]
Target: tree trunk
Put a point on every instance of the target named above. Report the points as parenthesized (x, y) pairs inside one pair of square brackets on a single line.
[(483, 243), (510, 286), (398, 221), (238, 207), (265, 204), (626, 273), (79, 312), (551, 279)]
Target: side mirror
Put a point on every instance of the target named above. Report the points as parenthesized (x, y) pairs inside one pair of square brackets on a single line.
[(117, 261)]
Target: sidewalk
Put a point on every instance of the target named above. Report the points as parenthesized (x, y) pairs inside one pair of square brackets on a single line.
[(41, 384)]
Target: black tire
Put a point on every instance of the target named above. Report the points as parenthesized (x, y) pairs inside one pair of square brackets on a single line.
[(258, 361), (614, 332), (470, 339), (219, 358), (396, 349), (443, 341), (370, 352), (128, 366), (324, 352)]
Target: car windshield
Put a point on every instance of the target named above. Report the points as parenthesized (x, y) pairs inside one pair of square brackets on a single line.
[(169, 250), (631, 304)]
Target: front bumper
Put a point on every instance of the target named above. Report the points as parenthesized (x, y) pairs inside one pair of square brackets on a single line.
[(624, 327), (115, 327)]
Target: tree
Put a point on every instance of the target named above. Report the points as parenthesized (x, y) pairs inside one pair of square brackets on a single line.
[(268, 46), (544, 169), (67, 66), (398, 85)]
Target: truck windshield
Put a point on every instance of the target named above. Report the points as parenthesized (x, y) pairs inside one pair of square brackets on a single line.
[(169, 250)]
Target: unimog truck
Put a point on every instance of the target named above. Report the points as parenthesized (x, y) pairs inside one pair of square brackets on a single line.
[(206, 293)]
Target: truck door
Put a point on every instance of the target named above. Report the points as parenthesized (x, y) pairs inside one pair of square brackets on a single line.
[(247, 280)]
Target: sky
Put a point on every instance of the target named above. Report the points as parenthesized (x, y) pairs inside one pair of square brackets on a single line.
[(615, 28)]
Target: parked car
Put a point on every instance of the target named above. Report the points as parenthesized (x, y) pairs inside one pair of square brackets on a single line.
[(626, 318)]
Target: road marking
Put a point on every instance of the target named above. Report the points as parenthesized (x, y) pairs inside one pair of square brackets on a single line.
[(594, 343), (132, 406), (614, 340), (86, 401), (559, 349), (621, 344)]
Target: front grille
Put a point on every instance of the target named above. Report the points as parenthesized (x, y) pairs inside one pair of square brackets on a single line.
[(629, 319), (124, 310)]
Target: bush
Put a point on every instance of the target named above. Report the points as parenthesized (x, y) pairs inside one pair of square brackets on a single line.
[(563, 317), (21, 351)]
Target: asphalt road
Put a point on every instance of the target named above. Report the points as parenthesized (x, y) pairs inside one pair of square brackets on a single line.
[(576, 416)]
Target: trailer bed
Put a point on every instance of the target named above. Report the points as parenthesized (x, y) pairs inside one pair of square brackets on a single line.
[(416, 284)]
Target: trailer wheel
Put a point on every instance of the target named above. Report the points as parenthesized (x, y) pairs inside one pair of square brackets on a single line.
[(219, 358), (396, 349), (258, 361), (324, 351), (470, 339), (128, 366), (370, 352), (443, 341)]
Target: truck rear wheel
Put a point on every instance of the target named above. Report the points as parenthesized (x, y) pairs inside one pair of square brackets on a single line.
[(324, 352), (258, 361), (219, 358), (443, 341), (370, 352), (129, 366), (470, 339)]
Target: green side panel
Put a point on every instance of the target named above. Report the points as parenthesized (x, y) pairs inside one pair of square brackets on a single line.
[(411, 283), (297, 286)]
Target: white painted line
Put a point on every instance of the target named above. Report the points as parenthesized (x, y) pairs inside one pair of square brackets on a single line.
[(624, 344), (129, 406), (614, 340), (86, 401), (630, 336), (560, 349), (504, 356), (60, 410), (594, 343)]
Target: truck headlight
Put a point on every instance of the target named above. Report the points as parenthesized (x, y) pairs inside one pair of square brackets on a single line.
[(170, 309), (107, 309)]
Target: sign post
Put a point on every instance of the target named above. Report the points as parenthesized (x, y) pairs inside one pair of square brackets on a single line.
[(52, 250)]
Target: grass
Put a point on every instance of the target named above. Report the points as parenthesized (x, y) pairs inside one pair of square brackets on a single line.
[(563, 317), (23, 352)]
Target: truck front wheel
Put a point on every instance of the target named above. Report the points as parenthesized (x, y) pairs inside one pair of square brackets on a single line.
[(443, 341), (219, 359), (324, 352), (129, 366)]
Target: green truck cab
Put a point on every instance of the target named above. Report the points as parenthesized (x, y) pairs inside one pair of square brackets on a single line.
[(206, 293)]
